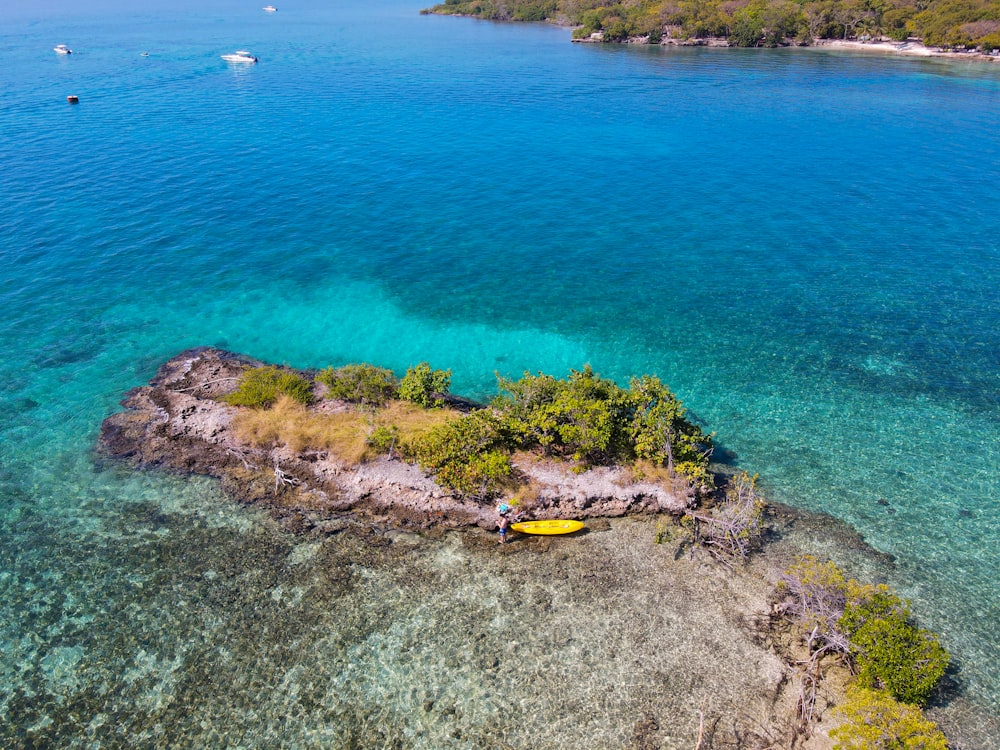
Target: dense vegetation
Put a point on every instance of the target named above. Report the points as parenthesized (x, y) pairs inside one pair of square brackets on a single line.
[(584, 419), (896, 665), (587, 420), (756, 23)]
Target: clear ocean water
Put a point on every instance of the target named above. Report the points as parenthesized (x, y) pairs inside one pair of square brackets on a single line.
[(804, 244)]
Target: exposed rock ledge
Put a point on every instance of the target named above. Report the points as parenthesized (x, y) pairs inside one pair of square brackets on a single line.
[(177, 423)]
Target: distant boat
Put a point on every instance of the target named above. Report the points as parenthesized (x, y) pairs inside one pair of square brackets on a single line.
[(145, 54), (240, 56), (72, 99), (270, 8), (62, 49)]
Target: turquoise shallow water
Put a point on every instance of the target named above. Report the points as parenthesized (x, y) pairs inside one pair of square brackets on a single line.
[(804, 245)]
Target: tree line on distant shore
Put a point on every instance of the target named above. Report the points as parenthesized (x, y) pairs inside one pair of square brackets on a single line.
[(966, 24)]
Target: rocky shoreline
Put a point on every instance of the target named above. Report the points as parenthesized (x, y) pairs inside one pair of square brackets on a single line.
[(177, 422), (910, 48)]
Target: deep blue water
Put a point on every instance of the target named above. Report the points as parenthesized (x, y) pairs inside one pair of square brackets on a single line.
[(804, 245)]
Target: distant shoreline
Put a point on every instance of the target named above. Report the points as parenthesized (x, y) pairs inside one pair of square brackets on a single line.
[(885, 46)]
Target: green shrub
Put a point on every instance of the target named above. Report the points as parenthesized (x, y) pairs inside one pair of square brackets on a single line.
[(261, 386), (659, 430), (383, 438), (365, 384), (874, 720), (468, 454), (424, 386), (593, 419), (868, 624), (890, 653)]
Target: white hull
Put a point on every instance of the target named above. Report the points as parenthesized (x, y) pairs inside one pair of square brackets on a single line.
[(240, 57)]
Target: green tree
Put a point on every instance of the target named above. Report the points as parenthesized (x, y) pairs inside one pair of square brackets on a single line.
[(364, 383), (659, 430), (890, 653), (593, 419), (469, 454), (748, 25), (425, 386)]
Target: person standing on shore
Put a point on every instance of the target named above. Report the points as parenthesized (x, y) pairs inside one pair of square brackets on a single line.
[(503, 521)]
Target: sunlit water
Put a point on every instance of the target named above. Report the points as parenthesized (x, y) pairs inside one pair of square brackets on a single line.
[(804, 245)]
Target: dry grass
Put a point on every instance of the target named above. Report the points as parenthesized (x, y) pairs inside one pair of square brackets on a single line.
[(343, 434), (412, 421), (647, 471), (525, 496)]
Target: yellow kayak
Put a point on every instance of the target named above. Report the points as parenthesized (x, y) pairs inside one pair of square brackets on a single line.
[(547, 527)]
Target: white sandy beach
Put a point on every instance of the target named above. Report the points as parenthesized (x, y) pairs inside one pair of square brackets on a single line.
[(903, 48)]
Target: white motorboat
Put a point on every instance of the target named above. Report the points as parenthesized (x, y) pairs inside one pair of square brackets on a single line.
[(240, 56), (62, 49), (270, 8)]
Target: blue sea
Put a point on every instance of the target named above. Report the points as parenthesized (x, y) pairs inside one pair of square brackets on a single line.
[(804, 244)]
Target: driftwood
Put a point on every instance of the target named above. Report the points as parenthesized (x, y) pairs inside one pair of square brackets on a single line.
[(734, 529), (814, 600), (283, 479), (243, 454)]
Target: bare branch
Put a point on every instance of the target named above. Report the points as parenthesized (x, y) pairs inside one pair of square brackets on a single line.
[(735, 528), (243, 455), (282, 478), (701, 723)]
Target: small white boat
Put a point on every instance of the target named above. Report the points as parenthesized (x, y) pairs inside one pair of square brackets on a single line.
[(62, 49), (240, 56), (270, 8)]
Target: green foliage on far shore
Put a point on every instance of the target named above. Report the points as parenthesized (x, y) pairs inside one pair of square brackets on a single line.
[(260, 387), (756, 23)]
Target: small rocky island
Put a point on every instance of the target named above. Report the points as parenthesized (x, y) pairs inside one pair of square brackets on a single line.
[(357, 447), (181, 421)]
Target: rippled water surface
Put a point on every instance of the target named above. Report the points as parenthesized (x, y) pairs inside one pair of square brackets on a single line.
[(804, 245)]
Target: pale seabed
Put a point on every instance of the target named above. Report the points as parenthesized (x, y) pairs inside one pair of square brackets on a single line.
[(176, 617), (204, 624)]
